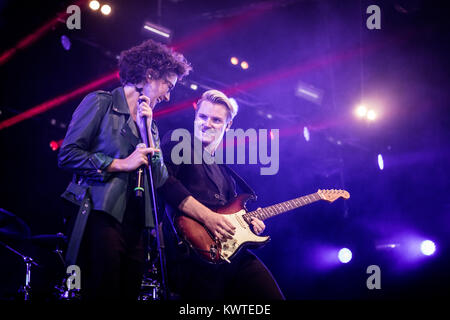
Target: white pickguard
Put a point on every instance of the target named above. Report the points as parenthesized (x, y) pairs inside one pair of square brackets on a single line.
[(243, 235)]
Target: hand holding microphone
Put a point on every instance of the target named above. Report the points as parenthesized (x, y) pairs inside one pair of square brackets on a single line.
[(144, 122), (139, 157), (144, 116), (135, 160)]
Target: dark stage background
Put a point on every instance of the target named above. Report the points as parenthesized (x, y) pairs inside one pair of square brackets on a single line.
[(401, 70)]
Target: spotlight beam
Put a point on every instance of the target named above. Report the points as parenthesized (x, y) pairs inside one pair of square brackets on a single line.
[(52, 103), (222, 26), (317, 63), (35, 35), (285, 73)]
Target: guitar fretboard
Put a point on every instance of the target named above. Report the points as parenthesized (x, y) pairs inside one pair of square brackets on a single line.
[(268, 212)]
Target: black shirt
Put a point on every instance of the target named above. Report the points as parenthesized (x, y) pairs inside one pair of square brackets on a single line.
[(217, 176)]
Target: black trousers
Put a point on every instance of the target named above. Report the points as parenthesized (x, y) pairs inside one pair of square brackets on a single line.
[(112, 256), (246, 278)]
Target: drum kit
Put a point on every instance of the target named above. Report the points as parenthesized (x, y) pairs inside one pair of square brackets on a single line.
[(14, 232), (16, 238)]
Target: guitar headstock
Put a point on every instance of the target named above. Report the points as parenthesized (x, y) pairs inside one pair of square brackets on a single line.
[(333, 194)]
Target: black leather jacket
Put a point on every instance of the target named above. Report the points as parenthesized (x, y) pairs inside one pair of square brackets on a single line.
[(102, 129)]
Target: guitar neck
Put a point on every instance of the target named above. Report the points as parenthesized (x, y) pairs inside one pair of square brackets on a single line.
[(268, 212)]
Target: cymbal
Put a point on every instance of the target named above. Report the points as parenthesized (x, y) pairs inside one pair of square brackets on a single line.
[(48, 239), (12, 227)]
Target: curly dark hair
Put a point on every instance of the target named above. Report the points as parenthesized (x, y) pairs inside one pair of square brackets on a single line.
[(151, 58)]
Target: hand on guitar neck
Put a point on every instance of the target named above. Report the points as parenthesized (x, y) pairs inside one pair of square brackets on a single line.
[(258, 225)]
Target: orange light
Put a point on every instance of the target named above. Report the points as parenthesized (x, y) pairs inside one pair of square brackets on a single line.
[(94, 5), (234, 60), (244, 65), (105, 9)]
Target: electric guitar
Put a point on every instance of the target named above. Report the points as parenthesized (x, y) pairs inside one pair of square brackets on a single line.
[(217, 250)]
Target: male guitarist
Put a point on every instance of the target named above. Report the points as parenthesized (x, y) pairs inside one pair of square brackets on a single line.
[(191, 190)]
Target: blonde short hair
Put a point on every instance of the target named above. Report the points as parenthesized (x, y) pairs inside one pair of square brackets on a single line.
[(216, 96)]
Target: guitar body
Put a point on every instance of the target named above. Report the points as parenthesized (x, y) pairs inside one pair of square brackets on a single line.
[(217, 251)]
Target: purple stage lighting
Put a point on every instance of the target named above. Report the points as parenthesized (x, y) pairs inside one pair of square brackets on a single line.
[(65, 41), (427, 247), (345, 255)]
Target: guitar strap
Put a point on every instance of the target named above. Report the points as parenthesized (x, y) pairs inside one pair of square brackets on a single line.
[(242, 184)]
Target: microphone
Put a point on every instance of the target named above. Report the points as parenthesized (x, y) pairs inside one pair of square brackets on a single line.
[(144, 121), (139, 190), (140, 176)]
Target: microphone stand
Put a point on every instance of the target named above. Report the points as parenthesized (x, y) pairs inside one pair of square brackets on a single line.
[(158, 232)]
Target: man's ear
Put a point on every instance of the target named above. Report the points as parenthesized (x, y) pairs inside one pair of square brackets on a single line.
[(228, 125)]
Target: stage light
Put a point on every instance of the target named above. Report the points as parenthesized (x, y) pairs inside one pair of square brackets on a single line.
[(193, 86), (309, 92), (269, 116), (364, 112), (157, 29), (35, 35), (345, 255), (234, 60), (361, 111), (54, 145), (371, 115), (244, 65), (427, 247), (65, 41), (380, 162), (306, 133), (106, 9), (387, 246), (94, 5)]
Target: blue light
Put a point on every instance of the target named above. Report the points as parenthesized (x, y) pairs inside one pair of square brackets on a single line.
[(65, 41), (345, 255), (380, 162)]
